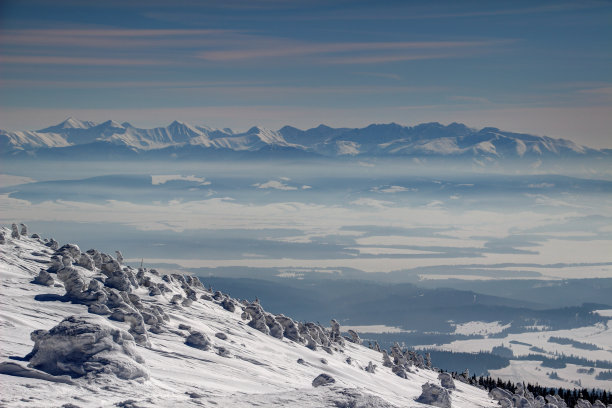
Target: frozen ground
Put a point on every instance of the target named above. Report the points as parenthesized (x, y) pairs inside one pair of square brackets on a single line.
[(599, 336), (259, 370), (482, 328)]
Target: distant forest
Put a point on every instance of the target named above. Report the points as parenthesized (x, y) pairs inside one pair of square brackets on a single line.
[(569, 396)]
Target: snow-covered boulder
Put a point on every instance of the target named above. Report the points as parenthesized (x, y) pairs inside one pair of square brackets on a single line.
[(44, 278), (86, 261), (132, 316), (399, 371), (323, 379), (556, 400), (258, 317), (276, 329), (86, 345), (499, 393), (71, 250), (386, 360), (53, 244), (316, 332), (446, 380), (435, 395), (290, 328), (582, 404), (79, 288), (521, 402), (99, 309), (15, 231), (354, 337), (335, 330), (198, 340), (118, 279), (228, 305), (95, 255)]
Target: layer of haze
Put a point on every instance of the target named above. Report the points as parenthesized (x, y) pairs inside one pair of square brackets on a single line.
[(305, 217)]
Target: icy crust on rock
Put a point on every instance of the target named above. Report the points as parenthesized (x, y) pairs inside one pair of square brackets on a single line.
[(98, 320), (86, 345)]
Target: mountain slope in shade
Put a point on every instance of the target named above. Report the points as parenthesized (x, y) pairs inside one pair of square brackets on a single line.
[(181, 344), (378, 140)]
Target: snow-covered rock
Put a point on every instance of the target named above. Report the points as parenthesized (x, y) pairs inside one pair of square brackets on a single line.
[(44, 278), (499, 393), (323, 379), (354, 337), (290, 328), (198, 340), (435, 395), (86, 345), (446, 380), (15, 232)]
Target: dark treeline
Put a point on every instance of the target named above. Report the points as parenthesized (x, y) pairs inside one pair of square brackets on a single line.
[(573, 343), (562, 360), (604, 375), (569, 396)]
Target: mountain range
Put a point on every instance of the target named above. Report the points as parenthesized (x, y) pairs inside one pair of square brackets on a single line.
[(376, 140)]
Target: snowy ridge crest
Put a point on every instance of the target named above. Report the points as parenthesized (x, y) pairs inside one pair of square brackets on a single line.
[(424, 140), (105, 331)]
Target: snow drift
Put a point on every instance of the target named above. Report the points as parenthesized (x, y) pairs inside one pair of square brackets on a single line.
[(96, 332)]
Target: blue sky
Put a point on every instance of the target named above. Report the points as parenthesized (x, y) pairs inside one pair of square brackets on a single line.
[(538, 67)]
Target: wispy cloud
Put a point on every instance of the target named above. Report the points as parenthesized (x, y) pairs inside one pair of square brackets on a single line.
[(125, 47), (274, 184), (386, 75), (118, 38), (66, 84), (469, 99), (560, 7), (57, 60), (604, 90), (350, 51), (431, 12)]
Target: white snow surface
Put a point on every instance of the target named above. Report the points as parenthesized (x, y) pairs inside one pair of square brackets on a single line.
[(260, 371), (482, 328), (521, 344)]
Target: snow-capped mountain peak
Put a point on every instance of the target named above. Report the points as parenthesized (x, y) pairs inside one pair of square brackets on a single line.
[(394, 140), (69, 123), (113, 124)]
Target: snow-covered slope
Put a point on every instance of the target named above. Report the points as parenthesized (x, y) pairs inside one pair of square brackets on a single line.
[(98, 333), (428, 139)]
